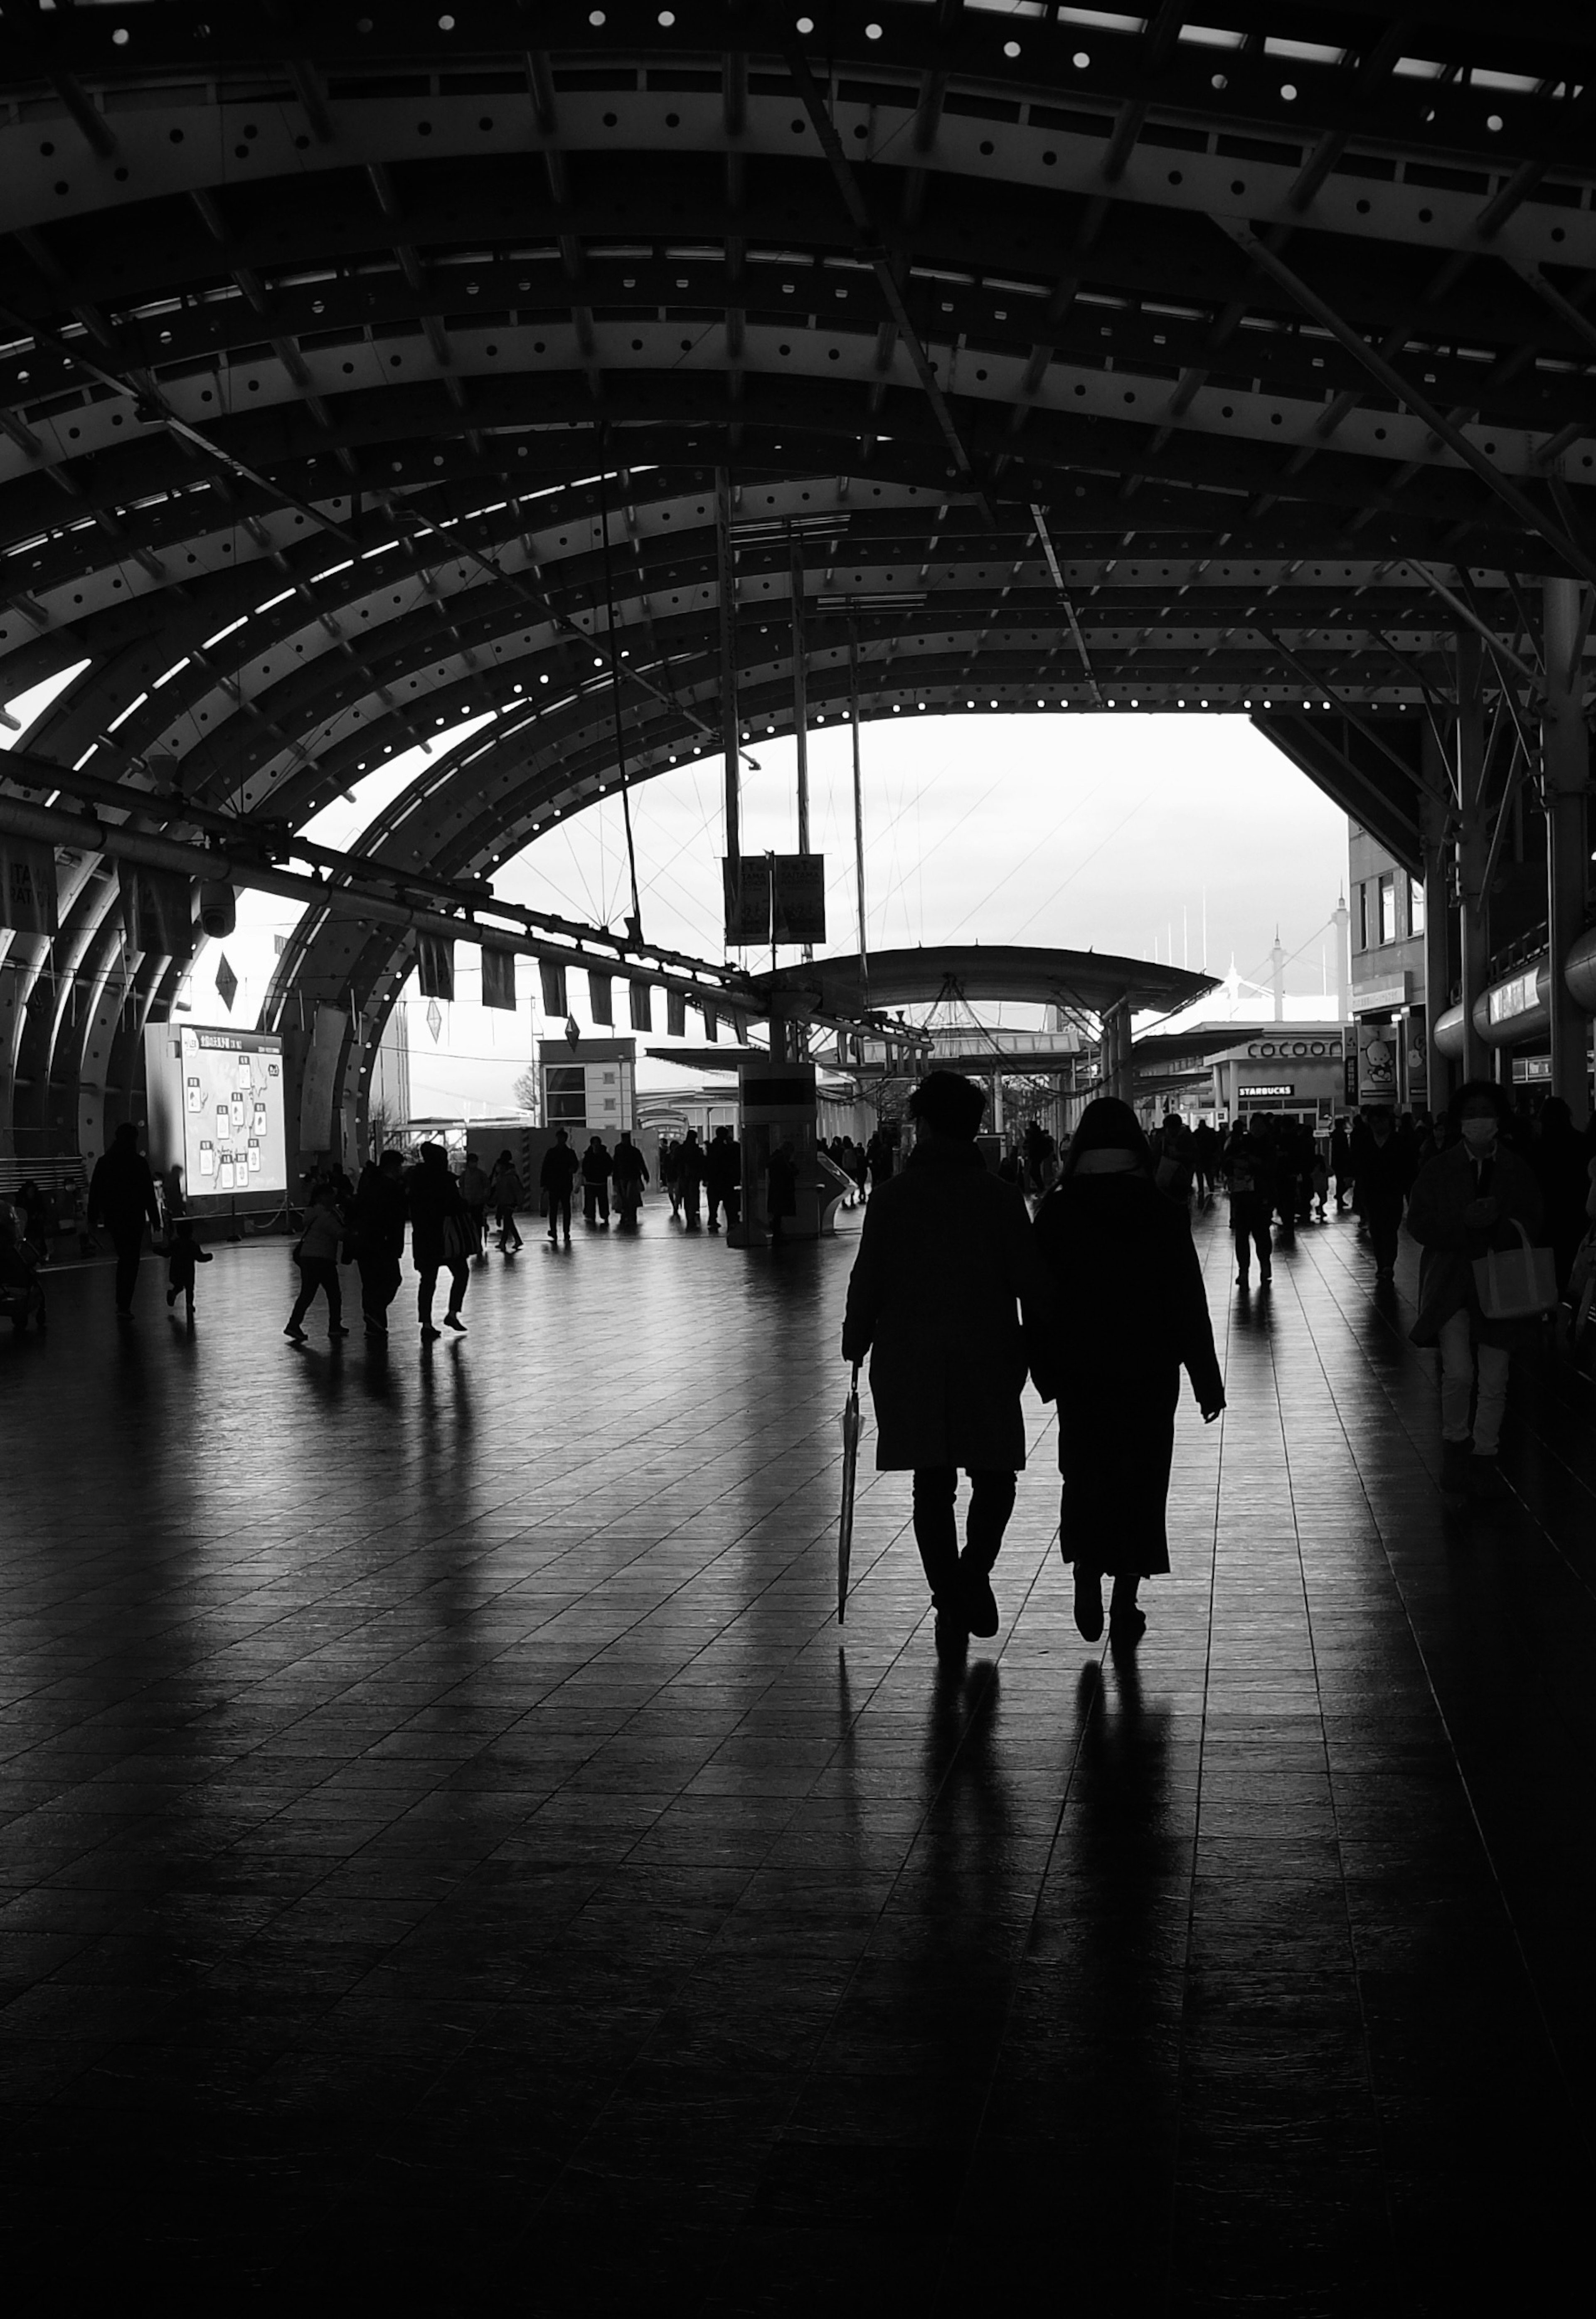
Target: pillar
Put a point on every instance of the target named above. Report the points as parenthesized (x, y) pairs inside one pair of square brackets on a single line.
[(1566, 766), (1437, 939), (1474, 846)]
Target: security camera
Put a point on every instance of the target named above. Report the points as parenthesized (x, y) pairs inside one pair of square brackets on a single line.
[(218, 908)]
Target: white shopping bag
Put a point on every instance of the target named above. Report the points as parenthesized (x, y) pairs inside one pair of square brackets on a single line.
[(1515, 1284)]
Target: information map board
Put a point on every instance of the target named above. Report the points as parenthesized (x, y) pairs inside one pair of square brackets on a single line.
[(216, 1110)]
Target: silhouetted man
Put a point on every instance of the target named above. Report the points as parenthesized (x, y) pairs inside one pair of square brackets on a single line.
[(121, 1196), (722, 1177), (554, 1178)]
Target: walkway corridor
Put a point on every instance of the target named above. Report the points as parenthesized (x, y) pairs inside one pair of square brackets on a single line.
[(449, 1849)]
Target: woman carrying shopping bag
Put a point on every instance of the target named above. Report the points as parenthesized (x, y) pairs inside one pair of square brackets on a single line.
[(1467, 1202), (1130, 1313)]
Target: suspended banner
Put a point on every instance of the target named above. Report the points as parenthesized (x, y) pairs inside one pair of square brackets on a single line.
[(28, 887), (782, 899), (642, 999), (499, 978), (553, 979), (676, 1014), (711, 1024), (436, 953), (157, 910), (600, 1005)]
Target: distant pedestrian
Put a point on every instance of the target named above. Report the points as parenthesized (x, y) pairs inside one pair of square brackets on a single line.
[(671, 1173), (555, 1179), (946, 1269), (121, 1196), (631, 1173), (690, 1176), (381, 1211), (722, 1177), (473, 1192), (595, 1182), (1467, 1201), (184, 1252), (1250, 1165), (505, 1193), (1384, 1181), (440, 1237), (320, 1245), (877, 1157), (1129, 1314)]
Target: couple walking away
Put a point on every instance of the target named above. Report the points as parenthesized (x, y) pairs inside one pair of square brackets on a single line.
[(955, 1294)]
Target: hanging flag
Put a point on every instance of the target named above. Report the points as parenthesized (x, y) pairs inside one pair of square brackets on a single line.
[(599, 1003), (28, 887), (642, 997), (676, 1014), (499, 978), (227, 983), (157, 910), (711, 1024), (572, 1035), (437, 956), (555, 1001)]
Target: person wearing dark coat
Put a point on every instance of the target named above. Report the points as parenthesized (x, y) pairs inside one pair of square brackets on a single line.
[(631, 1174), (554, 1178), (722, 1177), (380, 1214), (1467, 1201), (1249, 1163), (1562, 1169), (121, 1196), (1129, 1314), (690, 1176), (1384, 1180), (945, 1298), (440, 1237), (595, 1182)]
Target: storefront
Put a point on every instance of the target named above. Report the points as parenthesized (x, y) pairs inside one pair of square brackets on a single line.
[(1294, 1074)]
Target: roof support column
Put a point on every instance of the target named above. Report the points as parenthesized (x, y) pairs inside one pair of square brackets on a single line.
[(865, 971), (1438, 940), (730, 725), (1473, 847), (800, 699), (1565, 760)]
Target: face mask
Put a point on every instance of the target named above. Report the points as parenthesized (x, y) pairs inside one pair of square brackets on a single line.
[(1479, 1134)]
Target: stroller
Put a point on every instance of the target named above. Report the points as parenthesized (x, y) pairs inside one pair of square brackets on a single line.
[(21, 1297)]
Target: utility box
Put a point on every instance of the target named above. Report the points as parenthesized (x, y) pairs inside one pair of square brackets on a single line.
[(776, 1103)]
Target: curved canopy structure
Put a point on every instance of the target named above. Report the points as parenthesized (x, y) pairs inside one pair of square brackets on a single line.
[(363, 369), (1081, 981)]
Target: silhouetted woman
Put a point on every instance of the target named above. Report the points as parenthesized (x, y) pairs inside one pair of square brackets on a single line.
[(946, 1265), (1129, 1314)]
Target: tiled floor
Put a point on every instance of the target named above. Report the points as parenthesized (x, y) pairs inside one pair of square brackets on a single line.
[(449, 1849)]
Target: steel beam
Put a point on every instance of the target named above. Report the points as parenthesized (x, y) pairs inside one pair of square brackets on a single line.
[(1565, 760), (1473, 846)]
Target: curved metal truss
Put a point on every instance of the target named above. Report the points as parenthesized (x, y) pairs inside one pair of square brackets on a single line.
[(360, 365)]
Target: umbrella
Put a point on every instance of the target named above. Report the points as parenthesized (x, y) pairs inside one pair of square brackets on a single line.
[(850, 1472)]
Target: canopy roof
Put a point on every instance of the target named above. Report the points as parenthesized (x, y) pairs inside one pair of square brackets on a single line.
[(1082, 980)]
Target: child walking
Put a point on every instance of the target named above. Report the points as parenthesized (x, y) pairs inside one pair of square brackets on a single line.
[(182, 1257)]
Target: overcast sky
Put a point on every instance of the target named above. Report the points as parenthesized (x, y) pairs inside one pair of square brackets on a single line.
[(1115, 832)]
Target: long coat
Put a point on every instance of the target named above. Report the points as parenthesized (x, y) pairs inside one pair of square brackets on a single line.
[(946, 1265), (1442, 1189), (1129, 1312)]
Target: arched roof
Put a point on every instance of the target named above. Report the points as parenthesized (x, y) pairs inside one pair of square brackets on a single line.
[(355, 361)]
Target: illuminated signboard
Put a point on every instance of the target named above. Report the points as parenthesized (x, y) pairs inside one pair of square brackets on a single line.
[(216, 1110), (1286, 1088), (1519, 996)]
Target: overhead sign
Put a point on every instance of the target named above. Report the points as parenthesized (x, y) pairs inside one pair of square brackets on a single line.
[(1284, 1087), (1520, 994), (794, 912), (1294, 1050), (216, 1109)]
